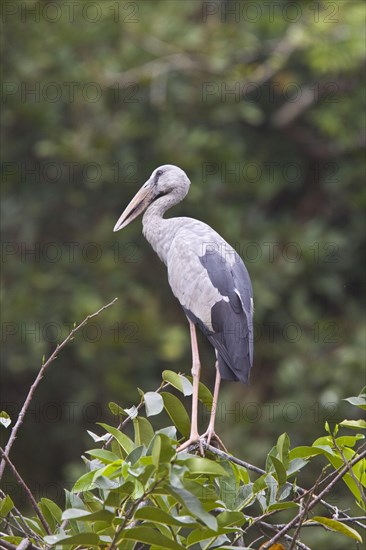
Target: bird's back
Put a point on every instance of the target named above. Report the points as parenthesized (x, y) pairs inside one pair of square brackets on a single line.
[(213, 286)]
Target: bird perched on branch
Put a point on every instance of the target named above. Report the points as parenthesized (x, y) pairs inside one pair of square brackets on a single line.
[(207, 276)]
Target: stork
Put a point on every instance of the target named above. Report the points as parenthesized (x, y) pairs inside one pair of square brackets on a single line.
[(209, 279)]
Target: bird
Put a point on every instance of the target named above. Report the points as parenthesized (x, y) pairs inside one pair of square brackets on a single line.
[(209, 279)]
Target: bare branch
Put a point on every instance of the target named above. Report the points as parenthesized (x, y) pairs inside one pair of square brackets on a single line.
[(18, 519), (28, 492), (39, 377), (303, 492), (231, 458), (318, 498), (24, 545), (352, 474), (305, 509), (286, 537)]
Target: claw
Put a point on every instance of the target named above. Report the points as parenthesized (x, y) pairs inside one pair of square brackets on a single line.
[(202, 441), (186, 444), (211, 435)]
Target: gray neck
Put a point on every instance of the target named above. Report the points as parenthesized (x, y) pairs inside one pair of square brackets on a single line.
[(158, 231)]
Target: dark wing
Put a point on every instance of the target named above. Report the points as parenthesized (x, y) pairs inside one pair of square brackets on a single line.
[(213, 286), (232, 318)]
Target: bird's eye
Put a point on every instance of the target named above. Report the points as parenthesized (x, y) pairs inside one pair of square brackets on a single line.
[(159, 173)]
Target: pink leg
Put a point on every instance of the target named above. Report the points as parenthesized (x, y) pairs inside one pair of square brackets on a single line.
[(211, 426), (196, 369), (210, 432)]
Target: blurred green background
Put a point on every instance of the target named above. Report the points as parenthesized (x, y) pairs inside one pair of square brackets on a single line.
[(262, 105)]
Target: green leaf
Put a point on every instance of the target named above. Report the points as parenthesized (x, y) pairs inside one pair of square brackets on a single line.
[(193, 505), (178, 381), (102, 481), (269, 463), (116, 410), (242, 473), (35, 526), (153, 403), (104, 456), (273, 489), (75, 513), (125, 442), (86, 515), (5, 419), (199, 465), (307, 451), (149, 536), (156, 515), (229, 485), (90, 539), (201, 534), (53, 508), (163, 449), (108, 470), (144, 431), (226, 519), (282, 506), (359, 401), (50, 520), (204, 394), (349, 440), (283, 446), (73, 500), (136, 454), (280, 470), (260, 483), (354, 424), (86, 481), (338, 526), (6, 505), (177, 413), (169, 431), (295, 465)]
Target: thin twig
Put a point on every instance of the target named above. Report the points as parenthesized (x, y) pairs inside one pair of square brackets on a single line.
[(12, 525), (39, 377), (28, 492), (343, 520), (304, 511), (29, 546), (315, 500), (303, 492), (131, 512), (351, 472), (9, 546), (286, 537), (227, 456), (121, 425), (15, 524)]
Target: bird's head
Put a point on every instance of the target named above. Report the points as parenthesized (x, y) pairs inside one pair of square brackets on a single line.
[(165, 180)]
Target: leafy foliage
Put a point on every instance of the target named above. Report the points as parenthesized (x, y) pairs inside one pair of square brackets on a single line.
[(140, 491)]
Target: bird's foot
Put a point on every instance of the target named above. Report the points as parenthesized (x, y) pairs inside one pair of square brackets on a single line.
[(193, 440), (211, 435), (202, 441)]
